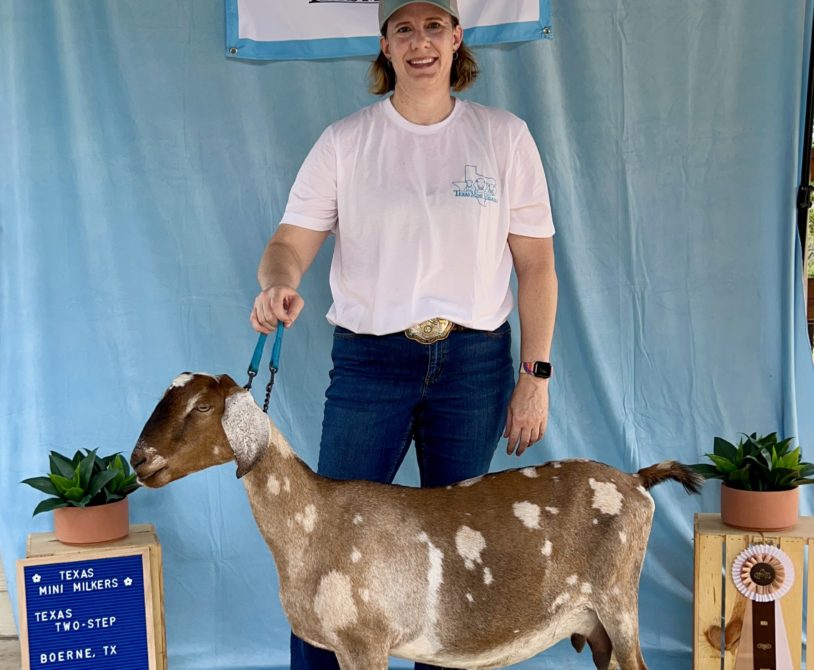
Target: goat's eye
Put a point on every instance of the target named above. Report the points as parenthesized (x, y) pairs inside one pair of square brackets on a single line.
[(202, 408)]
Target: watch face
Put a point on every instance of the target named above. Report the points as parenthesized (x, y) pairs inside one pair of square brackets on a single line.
[(542, 369)]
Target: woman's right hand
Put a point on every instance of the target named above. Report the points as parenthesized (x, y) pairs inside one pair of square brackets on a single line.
[(276, 303)]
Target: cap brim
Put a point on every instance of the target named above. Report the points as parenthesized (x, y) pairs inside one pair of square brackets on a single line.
[(440, 6)]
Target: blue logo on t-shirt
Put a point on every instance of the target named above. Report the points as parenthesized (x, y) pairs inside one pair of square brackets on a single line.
[(475, 185)]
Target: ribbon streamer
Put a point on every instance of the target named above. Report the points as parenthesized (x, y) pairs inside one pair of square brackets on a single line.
[(763, 574)]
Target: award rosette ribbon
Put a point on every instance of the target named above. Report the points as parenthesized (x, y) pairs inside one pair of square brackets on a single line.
[(763, 574)]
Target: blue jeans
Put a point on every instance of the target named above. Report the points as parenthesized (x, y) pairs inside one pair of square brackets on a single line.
[(450, 397)]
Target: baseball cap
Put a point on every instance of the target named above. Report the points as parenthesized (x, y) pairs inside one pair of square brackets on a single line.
[(389, 7)]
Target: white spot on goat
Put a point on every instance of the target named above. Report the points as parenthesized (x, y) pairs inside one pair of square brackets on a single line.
[(487, 576), (572, 580), (469, 543), (470, 597), (307, 518), (559, 602), (334, 604), (531, 473), (547, 547), (364, 594), (181, 380), (556, 464), (607, 498), (357, 519), (552, 510), (622, 537), (528, 513), (586, 588), (595, 522), (355, 555), (470, 482), (435, 577), (274, 485), (286, 485), (555, 479)]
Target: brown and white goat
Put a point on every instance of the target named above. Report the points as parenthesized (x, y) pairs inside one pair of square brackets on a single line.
[(482, 574)]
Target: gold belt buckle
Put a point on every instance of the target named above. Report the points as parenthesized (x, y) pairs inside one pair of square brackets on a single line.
[(429, 331)]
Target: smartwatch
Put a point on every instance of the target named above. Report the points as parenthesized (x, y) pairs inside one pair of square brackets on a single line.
[(540, 369)]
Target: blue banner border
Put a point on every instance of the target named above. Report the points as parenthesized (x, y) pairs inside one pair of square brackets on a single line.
[(323, 49)]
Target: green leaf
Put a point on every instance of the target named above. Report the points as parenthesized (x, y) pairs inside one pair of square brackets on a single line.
[(74, 493), (61, 465), (49, 504), (723, 464), (85, 469), (61, 483), (727, 450), (99, 481), (42, 484)]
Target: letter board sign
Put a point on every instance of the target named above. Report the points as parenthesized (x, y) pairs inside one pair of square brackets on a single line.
[(89, 612)]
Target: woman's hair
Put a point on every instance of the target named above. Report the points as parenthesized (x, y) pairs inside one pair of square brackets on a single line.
[(462, 75)]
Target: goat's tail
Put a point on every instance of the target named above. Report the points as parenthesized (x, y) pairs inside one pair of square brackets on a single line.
[(661, 472)]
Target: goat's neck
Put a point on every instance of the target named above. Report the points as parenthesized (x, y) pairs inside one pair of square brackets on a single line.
[(284, 494)]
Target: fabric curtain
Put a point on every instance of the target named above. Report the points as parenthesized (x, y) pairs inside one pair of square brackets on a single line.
[(143, 171)]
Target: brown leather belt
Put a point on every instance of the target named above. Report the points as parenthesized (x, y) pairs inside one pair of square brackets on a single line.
[(432, 330)]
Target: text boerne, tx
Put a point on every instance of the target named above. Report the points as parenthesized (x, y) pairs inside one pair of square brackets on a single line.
[(86, 615)]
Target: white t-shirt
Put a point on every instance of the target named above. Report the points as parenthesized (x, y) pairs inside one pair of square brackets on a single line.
[(422, 214)]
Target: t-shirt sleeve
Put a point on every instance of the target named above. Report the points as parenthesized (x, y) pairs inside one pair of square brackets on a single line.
[(528, 191), (312, 200)]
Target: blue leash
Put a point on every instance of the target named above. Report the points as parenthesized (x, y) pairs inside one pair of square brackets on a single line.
[(274, 363)]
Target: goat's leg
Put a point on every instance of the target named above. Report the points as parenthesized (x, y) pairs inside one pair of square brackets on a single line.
[(622, 628)]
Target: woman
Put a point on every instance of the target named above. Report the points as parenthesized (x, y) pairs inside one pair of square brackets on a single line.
[(432, 200)]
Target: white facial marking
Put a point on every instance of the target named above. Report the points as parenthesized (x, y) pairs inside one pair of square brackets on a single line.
[(274, 485), (487, 576), (547, 547), (531, 473), (246, 428), (586, 588), (528, 513), (607, 498), (622, 537), (307, 518), (357, 519), (470, 597), (552, 510), (559, 602), (355, 555), (470, 482), (469, 543), (572, 580), (181, 380), (334, 604)]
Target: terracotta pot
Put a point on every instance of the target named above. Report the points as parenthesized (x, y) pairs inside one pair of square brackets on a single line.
[(759, 510), (92, 525)]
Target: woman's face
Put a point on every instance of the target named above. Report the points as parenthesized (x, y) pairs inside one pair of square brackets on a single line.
[(420, 43)]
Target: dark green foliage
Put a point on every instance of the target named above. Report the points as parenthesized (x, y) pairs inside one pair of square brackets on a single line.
[(757, 464), (84, 480)]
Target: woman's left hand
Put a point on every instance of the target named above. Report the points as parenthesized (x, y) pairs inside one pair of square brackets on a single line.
[(528, 414)]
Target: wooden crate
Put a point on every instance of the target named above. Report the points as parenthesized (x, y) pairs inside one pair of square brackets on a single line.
[(45, 548), (715, 596)]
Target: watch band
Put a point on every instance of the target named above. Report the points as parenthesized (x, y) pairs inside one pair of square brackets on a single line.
[(539, 369)]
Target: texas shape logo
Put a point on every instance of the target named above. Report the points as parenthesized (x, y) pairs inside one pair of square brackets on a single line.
[(475, 185)]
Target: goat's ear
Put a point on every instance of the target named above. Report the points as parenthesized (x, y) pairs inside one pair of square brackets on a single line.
[(228, 384), (246, 428)]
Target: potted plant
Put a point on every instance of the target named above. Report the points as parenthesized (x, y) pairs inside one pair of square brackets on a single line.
[(89, 496), (760, 478)]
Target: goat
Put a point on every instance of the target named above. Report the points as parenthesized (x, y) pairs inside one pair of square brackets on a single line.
[(482, 574)]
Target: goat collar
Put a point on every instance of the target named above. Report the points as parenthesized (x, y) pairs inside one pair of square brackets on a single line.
[(247, 429)]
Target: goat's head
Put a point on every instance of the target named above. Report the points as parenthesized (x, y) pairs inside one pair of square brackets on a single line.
[(201, 421)]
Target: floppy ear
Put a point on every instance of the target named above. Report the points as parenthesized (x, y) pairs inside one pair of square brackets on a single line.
[(246, 428)]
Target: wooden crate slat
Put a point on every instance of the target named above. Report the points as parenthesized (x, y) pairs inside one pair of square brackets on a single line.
[(733, 604), (708, 553)]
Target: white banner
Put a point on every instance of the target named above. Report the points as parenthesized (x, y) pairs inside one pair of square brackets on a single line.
[(311, 29)]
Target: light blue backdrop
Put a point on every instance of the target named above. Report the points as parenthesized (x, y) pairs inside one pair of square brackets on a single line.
[(141, 173)]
